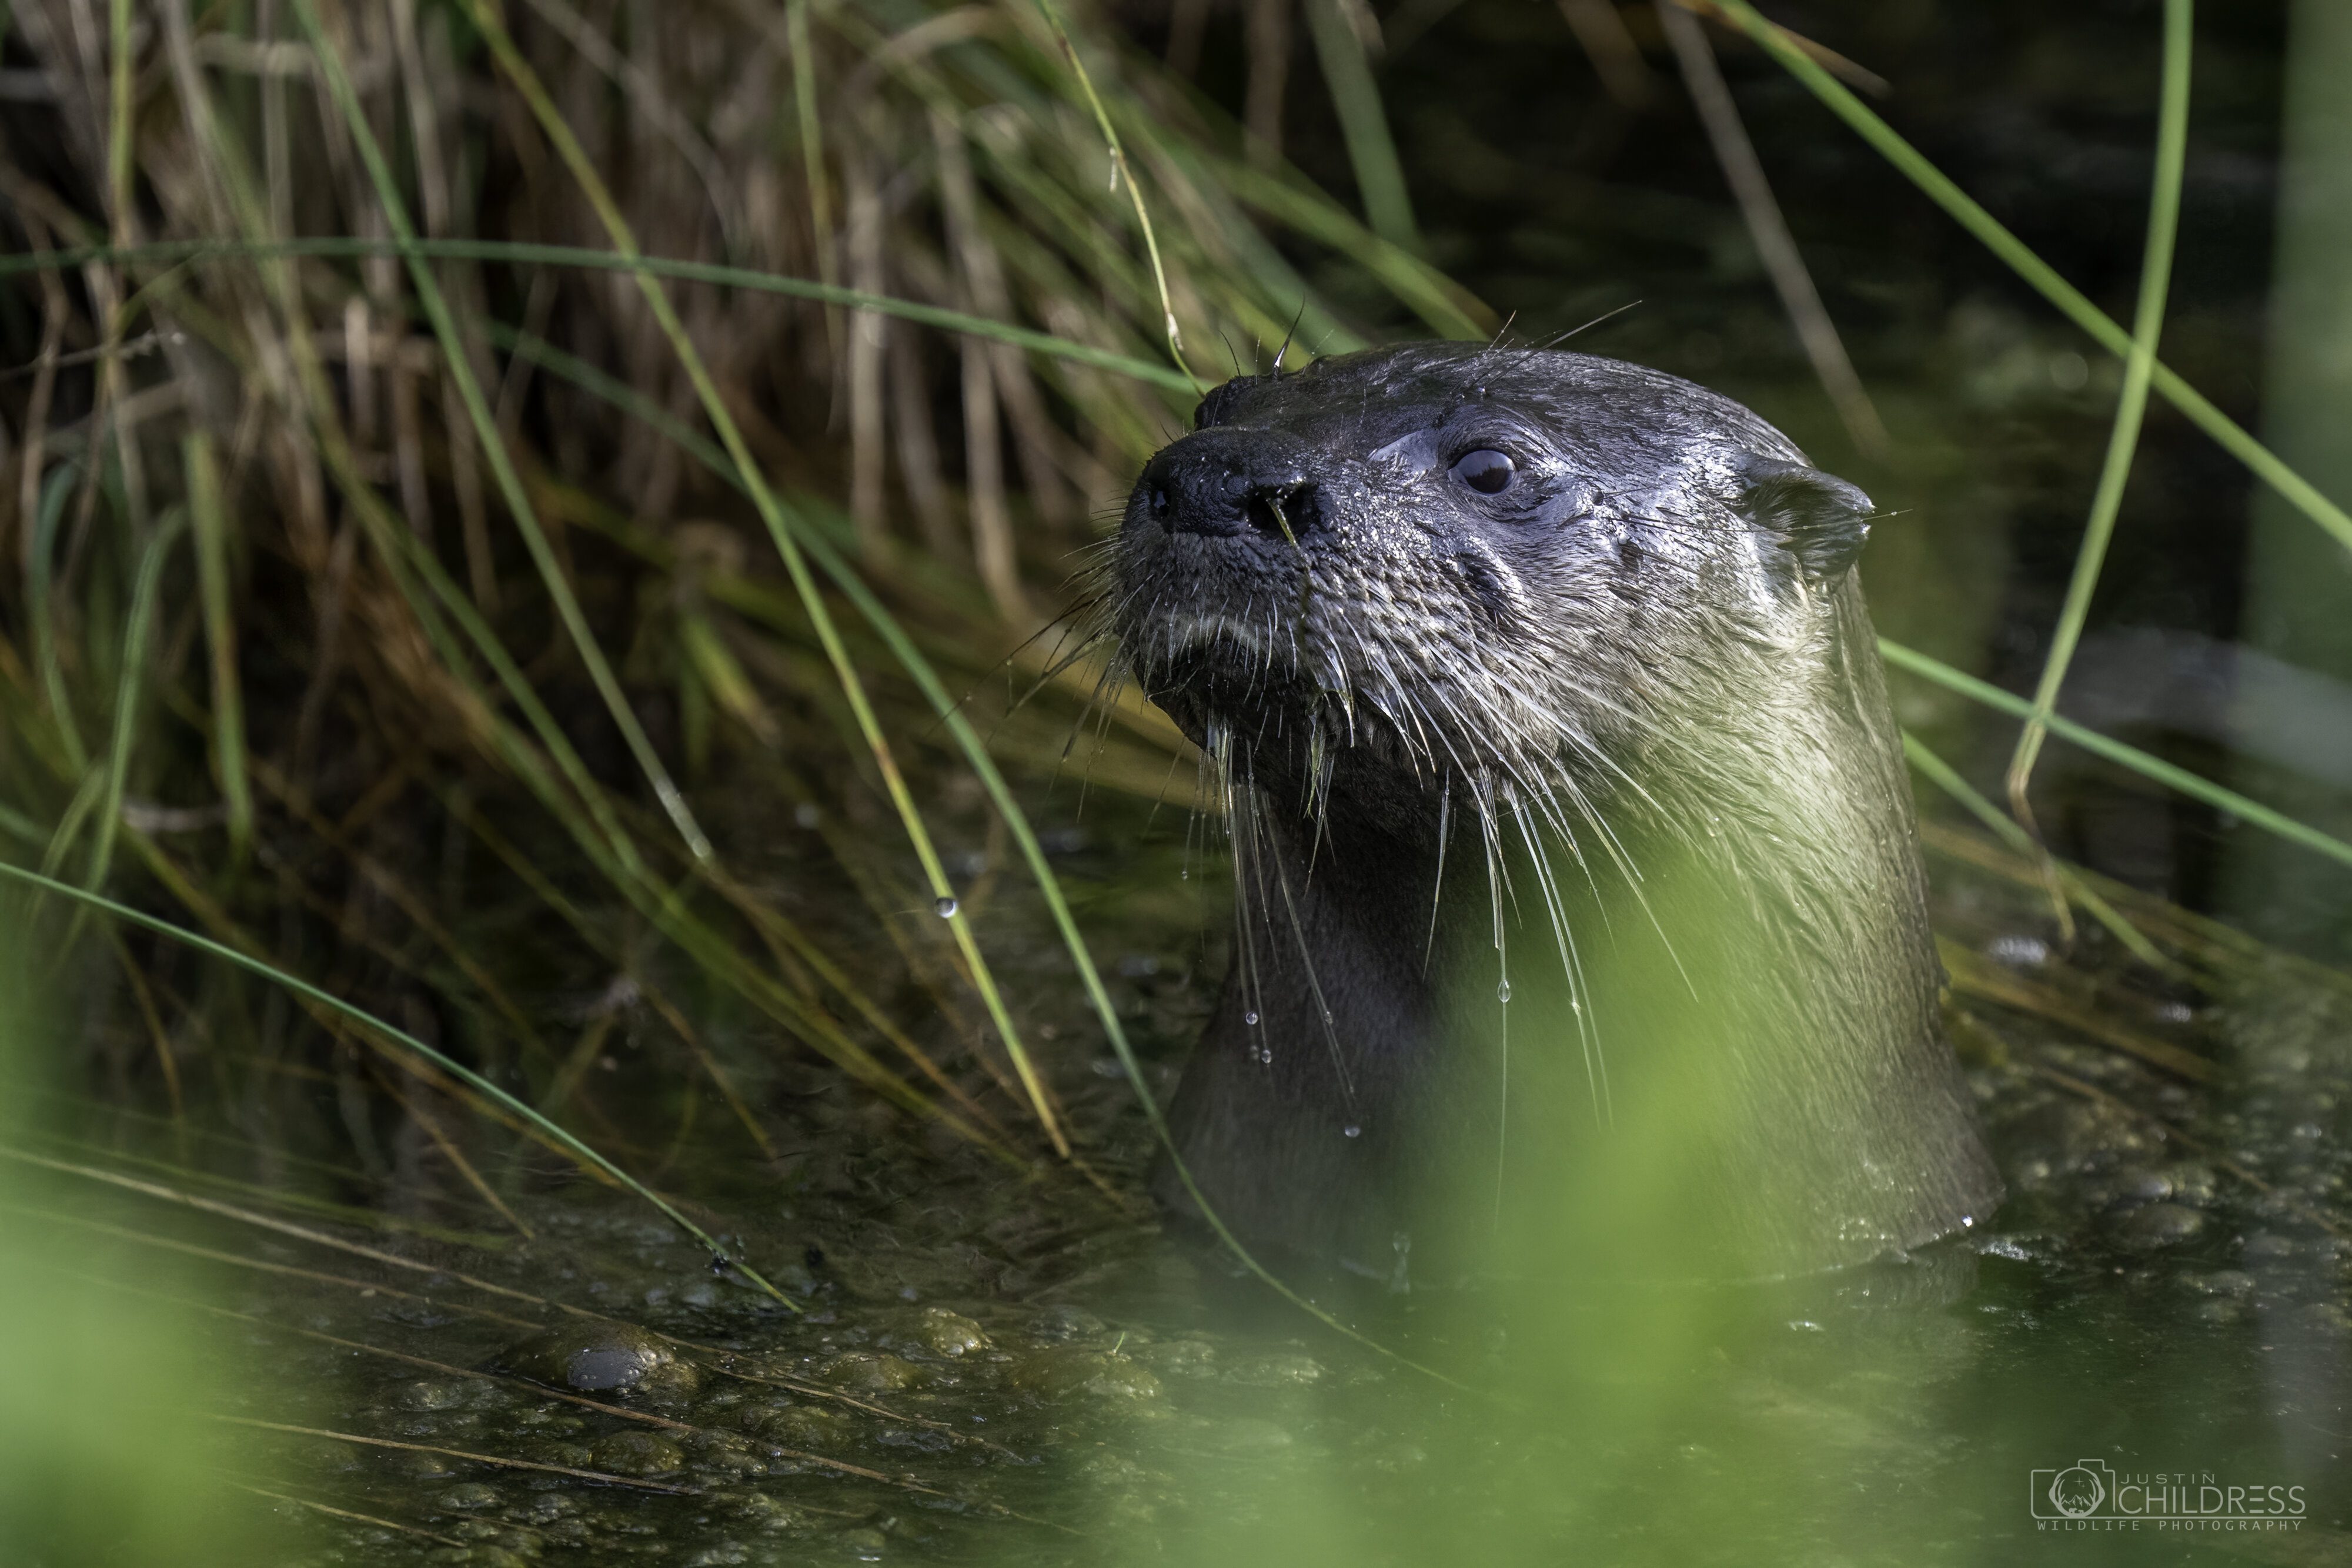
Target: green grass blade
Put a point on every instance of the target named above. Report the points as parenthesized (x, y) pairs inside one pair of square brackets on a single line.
[(41, 568), (129, 684), (1443, 304), (2116, 751), (1364, 124), (205, 511), (79, 811), (2147, 325), (811, 129), (401, 1038), (1947, 778), (493, 443), (1122, 171), (121, 140), (2233, 437), (521, 253), (621, 395)]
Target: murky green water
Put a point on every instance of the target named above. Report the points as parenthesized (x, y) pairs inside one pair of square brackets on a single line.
[(984, 1367)]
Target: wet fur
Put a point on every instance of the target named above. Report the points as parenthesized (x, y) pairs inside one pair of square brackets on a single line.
[(1626, 718)]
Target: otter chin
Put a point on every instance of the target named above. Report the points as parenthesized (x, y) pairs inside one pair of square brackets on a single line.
[(1579, 903)]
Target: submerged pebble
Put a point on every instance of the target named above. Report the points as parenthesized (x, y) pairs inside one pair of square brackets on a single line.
[(2141, 1184), (2324, 1318), (602, 1358), (636, 1453), (2192, 1183), (432, 1393), (2268, 1248), (1281, 1369), (1060, 1374), (2157, 1224), (758, 1510), (1185, 1358), (2231, 1282), (808, 1427), (478, 1557), (872, 1372), (725, 1456), (1253, 1434), (1058, 1324), (944, 1332)]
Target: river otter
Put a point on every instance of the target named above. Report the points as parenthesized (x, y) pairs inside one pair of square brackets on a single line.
[(1569, 816)]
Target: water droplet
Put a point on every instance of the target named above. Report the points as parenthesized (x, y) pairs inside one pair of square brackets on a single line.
[(1352, 1130), (1503, 992), (944, 908), (1250, 1018)]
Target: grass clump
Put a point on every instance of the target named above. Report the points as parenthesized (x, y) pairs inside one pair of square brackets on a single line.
[(342, 565)]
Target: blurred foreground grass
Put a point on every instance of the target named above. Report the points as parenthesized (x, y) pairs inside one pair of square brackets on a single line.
[(111, 1451)]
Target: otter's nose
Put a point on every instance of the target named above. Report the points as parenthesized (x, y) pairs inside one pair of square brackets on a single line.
[(1228, 481)]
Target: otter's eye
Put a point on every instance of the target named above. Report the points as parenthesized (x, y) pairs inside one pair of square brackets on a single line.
[(1486, 471)]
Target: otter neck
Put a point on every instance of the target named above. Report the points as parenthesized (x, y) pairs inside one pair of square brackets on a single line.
[(1333, 947), (1744, 963)]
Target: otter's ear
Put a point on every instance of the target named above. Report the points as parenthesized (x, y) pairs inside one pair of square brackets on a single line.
[(1819, 519)]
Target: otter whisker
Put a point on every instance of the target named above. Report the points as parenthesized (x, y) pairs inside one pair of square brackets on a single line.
[(1276, 374), (1577, 331), (1241, 836), (1615, 846), (1315, 988), (1497, 885), (1587, 1027), (1068, 627), (1544, 798), (1175, 759), (1437, 883)]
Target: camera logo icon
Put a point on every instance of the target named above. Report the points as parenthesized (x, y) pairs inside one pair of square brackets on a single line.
[(2078, 1491)]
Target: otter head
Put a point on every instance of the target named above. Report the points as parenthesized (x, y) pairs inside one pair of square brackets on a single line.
[(1447, 564), (1603, 625)]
